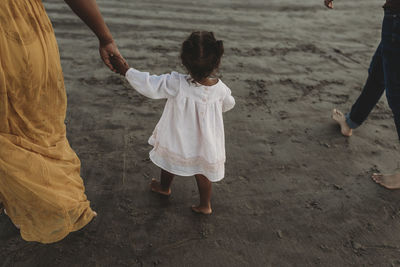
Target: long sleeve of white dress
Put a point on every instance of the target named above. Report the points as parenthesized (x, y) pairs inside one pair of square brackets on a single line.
[(228, 102), (154, 86)]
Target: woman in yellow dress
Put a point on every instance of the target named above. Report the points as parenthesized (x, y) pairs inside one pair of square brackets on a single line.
[(40, 184)]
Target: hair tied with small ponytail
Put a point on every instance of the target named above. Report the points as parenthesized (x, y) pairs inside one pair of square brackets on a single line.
[(201, 54)]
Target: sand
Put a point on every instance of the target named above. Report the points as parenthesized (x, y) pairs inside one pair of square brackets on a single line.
[(296, 192)]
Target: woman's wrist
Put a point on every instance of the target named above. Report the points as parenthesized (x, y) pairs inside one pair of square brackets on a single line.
[(105, 40)]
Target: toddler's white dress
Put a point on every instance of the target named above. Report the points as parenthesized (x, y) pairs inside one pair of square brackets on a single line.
[(189, 139)]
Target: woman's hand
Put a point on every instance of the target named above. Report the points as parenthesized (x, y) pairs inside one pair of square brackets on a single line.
[(329, 3), (107, 50)]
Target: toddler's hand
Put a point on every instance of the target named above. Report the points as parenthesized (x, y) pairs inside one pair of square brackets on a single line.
[(328, 3), (119, 64)]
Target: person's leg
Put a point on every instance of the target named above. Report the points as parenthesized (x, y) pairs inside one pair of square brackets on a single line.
[(391, 66), (164, 186), (372, 92), (204, 186)]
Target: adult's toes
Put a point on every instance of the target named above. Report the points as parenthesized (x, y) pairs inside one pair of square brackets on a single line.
[(377, 177)]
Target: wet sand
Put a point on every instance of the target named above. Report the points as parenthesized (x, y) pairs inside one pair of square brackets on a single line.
[(296, 192)]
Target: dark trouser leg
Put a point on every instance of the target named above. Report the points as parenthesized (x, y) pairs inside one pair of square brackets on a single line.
[(166, 179), (371, 93), (391, 63), (394, 103)]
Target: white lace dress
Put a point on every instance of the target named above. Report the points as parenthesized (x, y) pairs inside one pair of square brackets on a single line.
[(189, 139)]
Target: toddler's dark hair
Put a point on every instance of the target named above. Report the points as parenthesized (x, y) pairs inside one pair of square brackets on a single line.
[(201, 54)]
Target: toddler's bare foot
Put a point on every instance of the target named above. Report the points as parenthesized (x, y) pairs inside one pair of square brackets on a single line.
[(202, 210), (155, 186), (341, 120), (391, 181), (95, 214)]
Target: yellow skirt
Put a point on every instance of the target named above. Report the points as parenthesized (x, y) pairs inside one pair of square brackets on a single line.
[(40, 183)]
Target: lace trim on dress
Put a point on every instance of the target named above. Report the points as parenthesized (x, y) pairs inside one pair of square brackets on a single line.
[(176, 159)]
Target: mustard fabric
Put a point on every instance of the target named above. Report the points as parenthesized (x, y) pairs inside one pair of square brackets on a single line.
[(40, 183)]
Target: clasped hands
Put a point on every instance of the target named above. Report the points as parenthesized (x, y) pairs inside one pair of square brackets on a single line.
[(112, 57), (328, 3)]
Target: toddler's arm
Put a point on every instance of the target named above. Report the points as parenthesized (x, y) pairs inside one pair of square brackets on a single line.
[(228, 102), (154, 86)]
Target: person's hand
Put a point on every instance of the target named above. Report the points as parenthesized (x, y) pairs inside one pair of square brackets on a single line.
[(119, 64), (328, 3), (107, 50)]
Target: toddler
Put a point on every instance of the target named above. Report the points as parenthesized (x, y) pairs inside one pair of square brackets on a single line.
[(189, 138)]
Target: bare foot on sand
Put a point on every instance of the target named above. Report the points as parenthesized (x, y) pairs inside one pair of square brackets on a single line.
[(390, 181), (341, 120), (155, 186), (202, 210)]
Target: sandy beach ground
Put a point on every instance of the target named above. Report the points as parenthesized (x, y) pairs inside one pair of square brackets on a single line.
[(296, 192)]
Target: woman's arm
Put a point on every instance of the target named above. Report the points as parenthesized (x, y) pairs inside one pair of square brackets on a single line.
[(89, 13)]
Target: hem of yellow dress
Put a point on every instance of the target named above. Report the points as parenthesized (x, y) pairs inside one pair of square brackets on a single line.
[(73, 228)]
